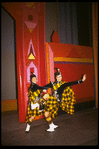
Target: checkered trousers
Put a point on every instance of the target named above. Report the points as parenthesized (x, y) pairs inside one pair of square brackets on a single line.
[(52, 106), (68, 100), (35, 112)]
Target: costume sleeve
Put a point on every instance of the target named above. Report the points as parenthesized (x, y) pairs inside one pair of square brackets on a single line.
[(36, 87), (50, 85), (61, 88), (40, 87), (72, 83)]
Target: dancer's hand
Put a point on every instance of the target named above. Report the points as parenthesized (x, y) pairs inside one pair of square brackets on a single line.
[(46, 114), (44, 90), (46, 96), (84, 77)]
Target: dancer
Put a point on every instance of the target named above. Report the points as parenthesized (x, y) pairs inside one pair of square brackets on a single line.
[(64, 92), (40, 104), (34, 97)]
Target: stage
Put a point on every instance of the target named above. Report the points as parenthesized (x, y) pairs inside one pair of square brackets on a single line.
[(78, 129)]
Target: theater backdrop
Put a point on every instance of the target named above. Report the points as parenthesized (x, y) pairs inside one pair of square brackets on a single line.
[(34, 54)]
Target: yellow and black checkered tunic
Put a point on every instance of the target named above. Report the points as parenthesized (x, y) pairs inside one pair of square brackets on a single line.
[(68, 98)]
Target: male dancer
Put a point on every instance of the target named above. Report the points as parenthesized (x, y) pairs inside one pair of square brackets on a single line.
[(64, 92)]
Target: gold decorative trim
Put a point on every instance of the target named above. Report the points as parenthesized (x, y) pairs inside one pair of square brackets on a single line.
[(83, 60)]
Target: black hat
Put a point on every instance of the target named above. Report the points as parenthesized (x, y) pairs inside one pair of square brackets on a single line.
[(31, 76), (57, 72)]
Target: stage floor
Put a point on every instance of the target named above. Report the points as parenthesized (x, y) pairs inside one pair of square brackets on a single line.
[(78, 129)]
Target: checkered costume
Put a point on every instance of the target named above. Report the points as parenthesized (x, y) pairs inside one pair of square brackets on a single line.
[(57, 85), (35, 112), (68, 98), (52, 106)]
